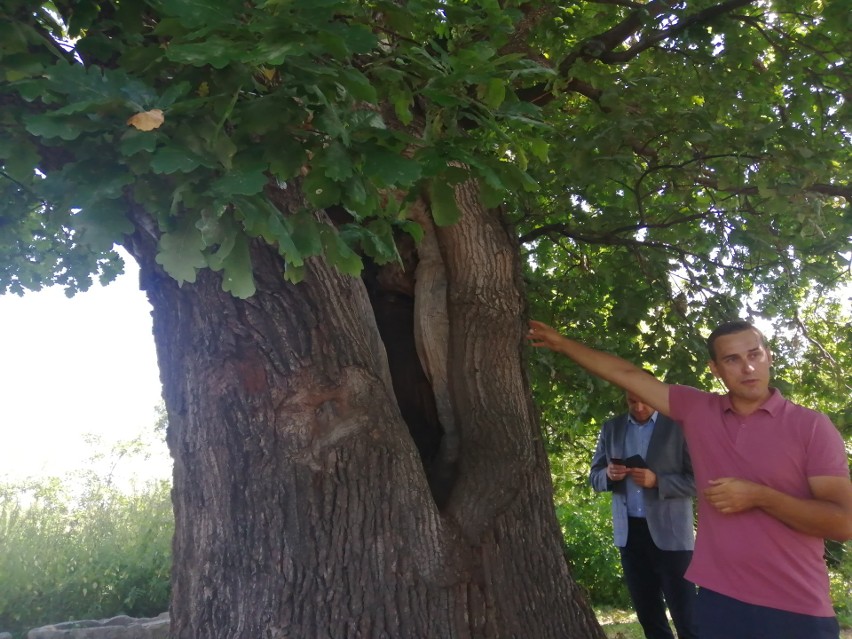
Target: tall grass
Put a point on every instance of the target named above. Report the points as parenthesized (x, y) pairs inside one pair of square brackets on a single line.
[(80, 548)]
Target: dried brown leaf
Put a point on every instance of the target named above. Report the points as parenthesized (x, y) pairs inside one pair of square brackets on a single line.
[(147, 120)]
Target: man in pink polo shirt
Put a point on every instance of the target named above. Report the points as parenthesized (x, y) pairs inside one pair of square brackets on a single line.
[(772, 480)]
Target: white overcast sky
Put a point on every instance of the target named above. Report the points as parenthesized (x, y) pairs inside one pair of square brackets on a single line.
[(76, 367)]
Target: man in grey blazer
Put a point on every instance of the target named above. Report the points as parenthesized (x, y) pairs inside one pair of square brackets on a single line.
[(642, 458)]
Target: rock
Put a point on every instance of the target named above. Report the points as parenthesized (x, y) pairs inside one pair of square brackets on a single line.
[(122, 627)]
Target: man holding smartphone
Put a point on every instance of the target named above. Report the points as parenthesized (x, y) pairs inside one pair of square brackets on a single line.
[(641, 456)]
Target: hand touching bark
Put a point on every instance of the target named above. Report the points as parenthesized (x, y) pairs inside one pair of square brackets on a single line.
[(542, 335)]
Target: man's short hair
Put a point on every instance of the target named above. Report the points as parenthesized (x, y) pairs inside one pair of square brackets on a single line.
[(728, 328)]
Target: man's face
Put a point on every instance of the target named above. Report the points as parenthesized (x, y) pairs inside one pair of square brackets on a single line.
[(742, 363), (639, 410)]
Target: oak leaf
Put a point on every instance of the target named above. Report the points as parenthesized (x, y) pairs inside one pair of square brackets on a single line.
[(147, 120)]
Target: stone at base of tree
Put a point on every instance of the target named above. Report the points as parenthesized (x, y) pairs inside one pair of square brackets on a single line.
[(5, 635), (122, 627)]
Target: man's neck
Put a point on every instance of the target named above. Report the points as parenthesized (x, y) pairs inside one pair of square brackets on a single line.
[(746, 406)]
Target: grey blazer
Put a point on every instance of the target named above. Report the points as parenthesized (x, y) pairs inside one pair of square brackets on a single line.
[(668, 506)]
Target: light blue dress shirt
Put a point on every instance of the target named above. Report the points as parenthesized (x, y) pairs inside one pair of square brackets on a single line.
[(636, 441)]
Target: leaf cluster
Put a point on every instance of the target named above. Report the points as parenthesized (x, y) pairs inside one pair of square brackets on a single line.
[(356, 106)]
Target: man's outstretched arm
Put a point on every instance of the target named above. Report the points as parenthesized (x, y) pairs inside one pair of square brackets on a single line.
[(609, 367)]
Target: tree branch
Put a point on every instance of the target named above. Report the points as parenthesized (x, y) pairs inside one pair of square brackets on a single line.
[(602, 47), (604, 238), (702, 17), (608, 239)]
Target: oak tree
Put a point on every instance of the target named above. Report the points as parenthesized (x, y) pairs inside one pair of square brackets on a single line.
[(338, 208)]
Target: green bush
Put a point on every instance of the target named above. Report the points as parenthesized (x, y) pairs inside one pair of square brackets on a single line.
[(94, 554), (587, 528), (840, 574), (586, 521)]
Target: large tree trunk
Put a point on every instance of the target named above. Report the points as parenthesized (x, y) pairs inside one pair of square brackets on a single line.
[(327, 484)]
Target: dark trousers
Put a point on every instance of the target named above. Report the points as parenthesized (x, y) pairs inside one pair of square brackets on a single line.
[(722, 617), (651, 575)]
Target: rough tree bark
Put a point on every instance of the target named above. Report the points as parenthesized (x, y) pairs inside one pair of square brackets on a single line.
[(323, 487)]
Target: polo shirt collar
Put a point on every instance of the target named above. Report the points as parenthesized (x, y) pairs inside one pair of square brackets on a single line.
[(772, 405)]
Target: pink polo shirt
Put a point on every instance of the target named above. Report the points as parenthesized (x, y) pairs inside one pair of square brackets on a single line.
[(752, 556)]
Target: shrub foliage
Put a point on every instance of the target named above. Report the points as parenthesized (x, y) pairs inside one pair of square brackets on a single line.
[(72, 551)]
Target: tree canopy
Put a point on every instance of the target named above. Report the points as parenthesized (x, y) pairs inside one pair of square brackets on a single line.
[(657, 165), (612, 126), (665, 164)]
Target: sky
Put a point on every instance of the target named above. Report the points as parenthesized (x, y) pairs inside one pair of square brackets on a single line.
[(72, 369)]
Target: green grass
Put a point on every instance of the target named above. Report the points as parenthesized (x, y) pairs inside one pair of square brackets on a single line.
[(624, 631), (619, 624)]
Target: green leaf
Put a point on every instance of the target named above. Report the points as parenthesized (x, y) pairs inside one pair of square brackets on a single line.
[(376, 240), (20, 157), (320, 190), (493, 92), (275, 53), (306, 235), (181, 254), (402, 101), (214, 51), (412, 228), (240, 182), (445, 210), (172, 94), (294, 274), (282, 233), (219, 231), (201, 13), (171, 159), (285, 158), (358, 86), (390, 169), (224, 149), (355, 193), (254, 214), (134, 141), (539, 148), (491, 197), (338, 253), (334, 161), (103, 223), (237, 278), (359, 38), (47, 125)]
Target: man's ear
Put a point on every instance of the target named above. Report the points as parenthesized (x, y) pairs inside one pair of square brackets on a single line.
[(713, 369)]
